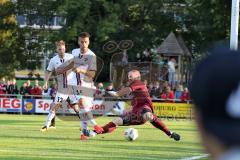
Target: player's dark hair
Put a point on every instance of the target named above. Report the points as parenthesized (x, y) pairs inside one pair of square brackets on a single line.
[(60, 43), (84, 35)]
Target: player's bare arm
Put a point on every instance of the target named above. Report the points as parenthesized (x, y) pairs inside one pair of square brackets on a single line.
[(62, 69), (88, 73), (46, 78), (122, 92)]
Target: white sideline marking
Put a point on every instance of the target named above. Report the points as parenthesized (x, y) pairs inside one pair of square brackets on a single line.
[(195, 157)]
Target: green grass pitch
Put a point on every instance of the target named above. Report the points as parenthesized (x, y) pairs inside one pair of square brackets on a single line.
[(20, 139)]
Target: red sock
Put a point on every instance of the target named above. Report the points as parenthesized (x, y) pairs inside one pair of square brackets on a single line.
[(108, 128), (160, 125)]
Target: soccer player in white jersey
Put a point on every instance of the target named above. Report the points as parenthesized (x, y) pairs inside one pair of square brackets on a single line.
[(64, 92), (85, 68)]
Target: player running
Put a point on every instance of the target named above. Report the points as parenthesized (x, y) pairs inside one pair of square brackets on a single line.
[(85, 68), (64, 92), (142, 107)]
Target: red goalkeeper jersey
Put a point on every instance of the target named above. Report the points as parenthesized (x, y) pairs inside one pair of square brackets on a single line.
[(140, 94)]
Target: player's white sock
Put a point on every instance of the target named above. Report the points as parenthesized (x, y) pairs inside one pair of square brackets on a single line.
[(91, 119), (50, 116), (83, 124), (93, 122)]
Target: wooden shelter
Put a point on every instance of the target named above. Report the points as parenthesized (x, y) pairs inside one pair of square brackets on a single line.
[(174, 47)]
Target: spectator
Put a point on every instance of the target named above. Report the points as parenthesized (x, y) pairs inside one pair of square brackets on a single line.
[(216, 93), (36, 82), (53, 90), (8, 86), (185, 96), (24, 90), (172, 72), (109, 88), (138, 57), (164, 85), (178, 92), (146, 56), (167, 95), (36, 90), (46, 92), (12, 87), (28, 86), (2, 89), (162, 60), (145, 82), (149, 87), (100, 91), (3, 80), (155, 91)]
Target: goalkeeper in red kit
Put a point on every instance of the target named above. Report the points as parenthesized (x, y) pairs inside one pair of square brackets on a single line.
[(142, 108)]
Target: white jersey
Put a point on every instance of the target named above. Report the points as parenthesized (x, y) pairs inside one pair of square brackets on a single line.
[(86, 61), (65, 79), (171, 66)]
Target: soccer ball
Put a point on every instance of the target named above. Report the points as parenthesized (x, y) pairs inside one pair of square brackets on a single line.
[(131, 134)]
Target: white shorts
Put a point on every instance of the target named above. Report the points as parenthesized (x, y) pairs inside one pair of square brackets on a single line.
[(65, 94), (74, 93), (87, 90), (87, 104)]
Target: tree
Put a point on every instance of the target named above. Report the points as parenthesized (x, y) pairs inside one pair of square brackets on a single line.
[(37, 41), (146, 23), (9, 44), (208, 22), (100, 18), (143, 22)]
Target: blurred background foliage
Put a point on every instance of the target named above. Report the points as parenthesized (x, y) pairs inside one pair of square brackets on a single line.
[(146, 23)]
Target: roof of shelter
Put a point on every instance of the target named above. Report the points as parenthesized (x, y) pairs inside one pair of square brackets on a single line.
[(173, 46)]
